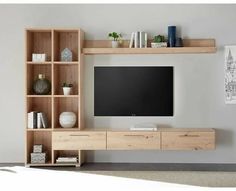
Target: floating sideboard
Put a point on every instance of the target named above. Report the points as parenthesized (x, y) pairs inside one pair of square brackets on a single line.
[(58, 141)]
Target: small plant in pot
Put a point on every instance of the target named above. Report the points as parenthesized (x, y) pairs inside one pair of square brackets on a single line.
[(67, 88), (159, 41), (116, 39)]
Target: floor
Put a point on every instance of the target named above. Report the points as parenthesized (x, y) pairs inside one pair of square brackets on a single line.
[(175, 173)]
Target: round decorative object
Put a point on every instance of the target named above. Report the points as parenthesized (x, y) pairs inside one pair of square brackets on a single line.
[(42, 86), (67, 119)]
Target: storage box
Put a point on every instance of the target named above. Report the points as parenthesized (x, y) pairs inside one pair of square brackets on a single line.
[(38, 158), (38, 57), (38, 148)]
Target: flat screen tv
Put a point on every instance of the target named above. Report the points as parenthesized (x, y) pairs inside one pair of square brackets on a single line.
[(133, 91)]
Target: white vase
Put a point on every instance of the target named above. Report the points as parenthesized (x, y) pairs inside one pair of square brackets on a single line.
[(67, 119), (114, 44), (67, 90)]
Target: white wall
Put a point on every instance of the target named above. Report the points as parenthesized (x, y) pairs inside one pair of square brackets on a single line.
[(199, 79)]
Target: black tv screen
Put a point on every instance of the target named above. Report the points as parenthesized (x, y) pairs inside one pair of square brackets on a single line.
[(133, 91)]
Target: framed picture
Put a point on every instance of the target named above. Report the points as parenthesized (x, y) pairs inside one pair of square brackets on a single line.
[(230, 74)]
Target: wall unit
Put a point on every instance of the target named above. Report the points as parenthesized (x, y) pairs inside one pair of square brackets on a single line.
[(68, 142), (52, 42)]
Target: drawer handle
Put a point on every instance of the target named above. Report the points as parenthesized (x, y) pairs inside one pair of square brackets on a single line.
[(134, 135), (186, 135), (79, 135)]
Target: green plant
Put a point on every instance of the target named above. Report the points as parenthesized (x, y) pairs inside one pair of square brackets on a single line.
[(66, 85), (159, 38), (115, 36)]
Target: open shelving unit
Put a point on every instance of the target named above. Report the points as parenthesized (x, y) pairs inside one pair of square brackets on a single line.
[(191, 46), (52, 42)]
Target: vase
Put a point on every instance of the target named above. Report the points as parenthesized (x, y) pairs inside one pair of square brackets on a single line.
[(42, 86), (67, 119), (171, 36), (114, 44), (67, 90)]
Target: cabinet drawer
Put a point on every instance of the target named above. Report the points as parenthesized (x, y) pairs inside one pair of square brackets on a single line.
[(84, 140), (188, 140), (133, 140)]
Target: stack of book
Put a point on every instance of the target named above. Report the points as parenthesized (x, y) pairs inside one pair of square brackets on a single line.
[(138, 39), (37, 120), (67, 160)]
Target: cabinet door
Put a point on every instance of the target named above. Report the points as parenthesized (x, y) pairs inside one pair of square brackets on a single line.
[(188, 140), (133, 140), (84, 140)]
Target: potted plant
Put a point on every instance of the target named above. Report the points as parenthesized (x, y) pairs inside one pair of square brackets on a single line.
[(116, 38), (67, 88), (159, 41)]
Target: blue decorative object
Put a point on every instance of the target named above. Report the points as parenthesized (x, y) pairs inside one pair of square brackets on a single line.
[(171, 36), (66, 55)]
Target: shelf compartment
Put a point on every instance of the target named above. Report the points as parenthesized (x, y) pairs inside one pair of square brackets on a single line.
[(65, 104), (191, 46), (33, 70), (65, 153), (65, 73), (66, 39), (39, 137), (39, 42), (42, 104)]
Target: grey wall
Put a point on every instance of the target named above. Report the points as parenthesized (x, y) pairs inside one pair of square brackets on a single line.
[(199, 79)]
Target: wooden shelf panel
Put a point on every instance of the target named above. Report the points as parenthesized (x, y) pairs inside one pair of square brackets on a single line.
[(66, 63), (76, 96), (39, 63), (180, 50), (46, 129), (66, 129), (39, 96), (191, 46)]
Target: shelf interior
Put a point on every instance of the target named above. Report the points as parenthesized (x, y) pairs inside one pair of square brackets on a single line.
[(41, 104), (39, 42), (65, 73), (32, 74), (39, 137), (65, 39), (65, 153), (65, 104)]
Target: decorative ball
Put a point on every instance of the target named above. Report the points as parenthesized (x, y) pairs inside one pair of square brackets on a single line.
[(67, 119), (42, 86)]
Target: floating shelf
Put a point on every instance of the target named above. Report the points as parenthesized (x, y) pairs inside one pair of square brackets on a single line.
[(191, 46), (42, 129)]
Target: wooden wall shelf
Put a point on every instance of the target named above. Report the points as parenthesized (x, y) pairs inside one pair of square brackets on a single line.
[(191, 46)]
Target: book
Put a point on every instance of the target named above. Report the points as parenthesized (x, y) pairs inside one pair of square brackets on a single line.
[(30, 120), (44, 120), (141, 39), (136, 39), (131, 40), (39, 121)]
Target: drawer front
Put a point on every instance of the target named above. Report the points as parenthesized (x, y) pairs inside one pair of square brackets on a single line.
[(188, 140), (85, 140), (133, 140)]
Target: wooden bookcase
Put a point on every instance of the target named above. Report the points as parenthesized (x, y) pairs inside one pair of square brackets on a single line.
[(52, 42)]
